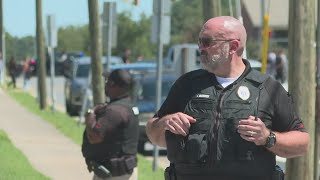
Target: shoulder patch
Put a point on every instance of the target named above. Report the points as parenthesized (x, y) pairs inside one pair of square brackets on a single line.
[(135, 110)]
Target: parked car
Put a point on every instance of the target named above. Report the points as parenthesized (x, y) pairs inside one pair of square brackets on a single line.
[(77, 81), (146, 101), (255, 64)]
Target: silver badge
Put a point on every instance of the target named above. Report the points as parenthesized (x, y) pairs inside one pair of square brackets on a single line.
[(243, 92)]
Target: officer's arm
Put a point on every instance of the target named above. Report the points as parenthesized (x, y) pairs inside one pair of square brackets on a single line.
[(105, 121), (155, 129), (292, 140), (290, 144), (93, 136)]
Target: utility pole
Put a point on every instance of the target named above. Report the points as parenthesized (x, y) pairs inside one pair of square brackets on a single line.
[(1, 26), (52, 43), (2, 47), (41, 61), (211, 8), (95, 48), (239, 17), (317, 134), (302, 83), (160, 31)]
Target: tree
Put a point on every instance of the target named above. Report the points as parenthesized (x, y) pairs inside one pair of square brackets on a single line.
[(186, 21), (211, 8), (134, 35), (73, 38), (1, 26), (302, 80), (41, 57), (95, 50)]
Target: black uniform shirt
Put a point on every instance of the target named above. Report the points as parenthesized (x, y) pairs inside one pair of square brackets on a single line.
[(286, 117)]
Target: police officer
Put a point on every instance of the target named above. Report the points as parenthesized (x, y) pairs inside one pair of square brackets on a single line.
[(226, 121), (111, 135)]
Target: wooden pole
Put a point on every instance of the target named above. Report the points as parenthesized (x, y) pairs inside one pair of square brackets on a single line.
[(41, 61), (96, 50), (211, 8), (317, 133), (1, 26), (302, 83)]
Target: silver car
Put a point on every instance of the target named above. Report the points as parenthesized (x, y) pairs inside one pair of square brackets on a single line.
[(77, 82)]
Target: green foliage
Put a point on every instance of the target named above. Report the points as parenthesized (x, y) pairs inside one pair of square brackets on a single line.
[(14, 165), (253, 49), (73, 38), (186, 21), (145, 171), (20, 47), (135, 36)]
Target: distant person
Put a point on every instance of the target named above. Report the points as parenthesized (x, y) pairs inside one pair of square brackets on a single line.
[(1, 69), (12, 69), (281, 66), (26, 70), (140, 58), (63, 56), (126, 56), (110, 139), (271, 64)]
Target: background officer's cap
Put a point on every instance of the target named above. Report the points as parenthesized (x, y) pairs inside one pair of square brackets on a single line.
[(120, 77)]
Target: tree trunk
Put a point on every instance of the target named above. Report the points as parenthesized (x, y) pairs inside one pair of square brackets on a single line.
[(317, 133), (95, 48), (211, 8), (41, 60), (1, 27), (302, 80)]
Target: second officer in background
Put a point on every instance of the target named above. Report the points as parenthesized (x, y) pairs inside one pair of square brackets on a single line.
[(111, 135)]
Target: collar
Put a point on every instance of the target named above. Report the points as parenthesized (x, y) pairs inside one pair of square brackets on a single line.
[(119, 97), (248, 74)]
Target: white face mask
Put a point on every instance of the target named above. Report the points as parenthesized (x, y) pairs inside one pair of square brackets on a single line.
[(211, 61)]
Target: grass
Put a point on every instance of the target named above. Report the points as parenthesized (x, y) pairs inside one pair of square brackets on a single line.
[(70, 128), (13, 164)]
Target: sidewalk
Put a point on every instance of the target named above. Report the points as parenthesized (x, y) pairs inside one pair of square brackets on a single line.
[(50, 152)]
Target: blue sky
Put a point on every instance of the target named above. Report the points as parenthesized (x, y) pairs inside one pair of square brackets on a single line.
[(19, 16)]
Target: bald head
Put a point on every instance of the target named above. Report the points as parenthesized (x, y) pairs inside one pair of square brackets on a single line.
[(226, 27)]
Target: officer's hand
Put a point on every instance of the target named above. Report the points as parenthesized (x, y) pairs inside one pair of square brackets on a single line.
[(178, 123), (98, 108), (253, 130), (90, 117)]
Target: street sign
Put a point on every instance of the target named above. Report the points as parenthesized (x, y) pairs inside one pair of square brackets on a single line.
[(166, 5), (109, 8), (52, 31), (165, 24)]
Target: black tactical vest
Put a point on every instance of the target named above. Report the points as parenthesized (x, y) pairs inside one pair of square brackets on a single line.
[(124, 141), (213, 145)]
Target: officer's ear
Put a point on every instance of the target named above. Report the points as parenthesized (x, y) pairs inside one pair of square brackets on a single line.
[(234, 46), (109, 82)]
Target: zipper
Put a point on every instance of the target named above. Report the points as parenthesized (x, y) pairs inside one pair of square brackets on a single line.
[(213, 133)]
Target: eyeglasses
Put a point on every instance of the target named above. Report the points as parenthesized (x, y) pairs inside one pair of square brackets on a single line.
[(206, 42)]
